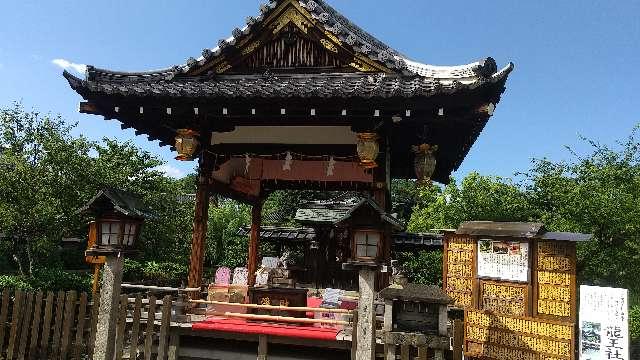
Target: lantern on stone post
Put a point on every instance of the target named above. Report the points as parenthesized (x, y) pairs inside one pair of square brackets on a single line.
[(370, 227), (368, 148), (116, 227), (186, 144), (424, 162)]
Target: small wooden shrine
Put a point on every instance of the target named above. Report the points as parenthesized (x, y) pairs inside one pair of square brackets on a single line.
[(323, 241), (517, 285)]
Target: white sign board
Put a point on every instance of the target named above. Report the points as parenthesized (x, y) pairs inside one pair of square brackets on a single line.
[(504, 260), (604, 323)]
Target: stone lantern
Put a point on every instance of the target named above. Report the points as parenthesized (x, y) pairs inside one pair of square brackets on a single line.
[(415, 315), (116, 227)]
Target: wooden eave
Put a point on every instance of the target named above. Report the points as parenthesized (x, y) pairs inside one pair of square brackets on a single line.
[(219, 90)]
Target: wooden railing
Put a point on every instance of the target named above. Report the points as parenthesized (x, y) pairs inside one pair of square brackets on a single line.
[(62, 325), (143, 327), (38, 325)]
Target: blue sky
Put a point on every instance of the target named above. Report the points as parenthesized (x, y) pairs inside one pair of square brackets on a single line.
[(577, 61)]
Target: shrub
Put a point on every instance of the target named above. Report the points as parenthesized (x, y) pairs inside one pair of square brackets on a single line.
[(14, 282), (424, 267), (48, 280), (165, 274), (634, 323), (133, 271)]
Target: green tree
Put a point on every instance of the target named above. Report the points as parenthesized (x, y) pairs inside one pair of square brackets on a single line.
[(47, 174), (598, 194), (477, 198), (42, 183)]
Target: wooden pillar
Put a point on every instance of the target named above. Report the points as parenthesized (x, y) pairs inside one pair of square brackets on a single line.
[(382, 195), (200, 220), (262, 347), (254, 241)]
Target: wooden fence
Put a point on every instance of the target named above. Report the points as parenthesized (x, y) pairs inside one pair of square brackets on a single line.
[(38, 325), (62, 325), (143, 328)]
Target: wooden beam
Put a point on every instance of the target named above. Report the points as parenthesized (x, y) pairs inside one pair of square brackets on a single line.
[(254, 241), (86, 107)]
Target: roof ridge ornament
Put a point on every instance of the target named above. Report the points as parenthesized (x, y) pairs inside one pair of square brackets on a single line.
[(237, 33), (207, 53), (250, 20), (309, 5), (486, 67)]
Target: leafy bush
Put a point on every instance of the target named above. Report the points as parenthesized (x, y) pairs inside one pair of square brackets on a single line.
[(14, 282), (424, 267), (133, 271), (165, 274), (634, 323), (155, 273), (48, 280)]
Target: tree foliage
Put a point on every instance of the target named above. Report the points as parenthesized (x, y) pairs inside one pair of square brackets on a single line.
[(597, 193), (47, 174)]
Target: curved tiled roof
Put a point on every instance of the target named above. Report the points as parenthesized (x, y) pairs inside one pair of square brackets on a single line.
[(361, 42), (280, 86)]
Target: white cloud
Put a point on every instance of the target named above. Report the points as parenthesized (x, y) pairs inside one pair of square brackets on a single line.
[(66, 64), (170, 171)]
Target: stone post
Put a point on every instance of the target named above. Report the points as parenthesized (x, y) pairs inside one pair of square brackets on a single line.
[(108, 308), (443, 320), (366, 332)]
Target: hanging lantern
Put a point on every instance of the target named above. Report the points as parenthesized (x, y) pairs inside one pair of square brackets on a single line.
[(186, 144), (368, 148), (425, 162)]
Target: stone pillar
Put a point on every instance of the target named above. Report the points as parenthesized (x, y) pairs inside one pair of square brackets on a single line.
[(108, 308), (443, 320), (366, 332)]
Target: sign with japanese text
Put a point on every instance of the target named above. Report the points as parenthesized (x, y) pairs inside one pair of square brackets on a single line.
[(459, 276), (503, 260), (492, 336), (555, 277), (604, 323)]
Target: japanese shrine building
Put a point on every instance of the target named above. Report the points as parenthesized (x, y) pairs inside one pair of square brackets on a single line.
[(293, 100)]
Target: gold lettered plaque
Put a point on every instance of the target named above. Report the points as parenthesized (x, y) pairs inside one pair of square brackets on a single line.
[(556, 279), (491, 336), (459, 269)]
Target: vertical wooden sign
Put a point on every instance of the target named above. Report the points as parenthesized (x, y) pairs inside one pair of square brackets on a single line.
[(459, 269), (555, 280)]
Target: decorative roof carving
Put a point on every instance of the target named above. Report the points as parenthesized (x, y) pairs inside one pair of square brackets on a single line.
[(339, 29)]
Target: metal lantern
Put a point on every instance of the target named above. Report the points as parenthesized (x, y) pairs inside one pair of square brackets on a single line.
[(186, 144), (368, 149), (425, 162)]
